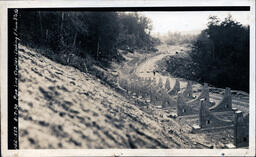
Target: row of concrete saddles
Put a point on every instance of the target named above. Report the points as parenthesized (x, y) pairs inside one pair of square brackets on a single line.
[(207, 110), (187, 104)]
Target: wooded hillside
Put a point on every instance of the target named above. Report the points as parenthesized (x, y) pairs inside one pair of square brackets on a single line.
[(98, 34)]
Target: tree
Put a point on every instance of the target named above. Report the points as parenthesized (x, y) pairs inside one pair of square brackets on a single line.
[(135, 31), (222, 51)]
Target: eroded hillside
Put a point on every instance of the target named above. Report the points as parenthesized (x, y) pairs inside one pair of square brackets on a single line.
[(62, 107)]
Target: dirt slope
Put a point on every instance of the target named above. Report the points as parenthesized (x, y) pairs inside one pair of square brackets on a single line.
[(61, 107)]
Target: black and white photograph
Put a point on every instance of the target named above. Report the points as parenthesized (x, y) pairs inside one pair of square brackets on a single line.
[(129, 78)]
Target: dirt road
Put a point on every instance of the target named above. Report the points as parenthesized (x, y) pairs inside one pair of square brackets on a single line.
[(147, 68)]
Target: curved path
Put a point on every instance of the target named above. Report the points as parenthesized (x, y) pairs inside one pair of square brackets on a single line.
[(147, 68)]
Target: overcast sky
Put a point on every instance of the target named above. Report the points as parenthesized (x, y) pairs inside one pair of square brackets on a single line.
[(189, 22)]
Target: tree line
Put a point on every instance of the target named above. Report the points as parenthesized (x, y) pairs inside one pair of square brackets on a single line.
[(220, 54), (98, 34)]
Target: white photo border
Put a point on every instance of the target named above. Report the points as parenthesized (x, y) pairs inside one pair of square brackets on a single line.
[(4, 5)]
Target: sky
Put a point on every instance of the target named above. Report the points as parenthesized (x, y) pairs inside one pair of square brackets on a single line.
[(189, 22)]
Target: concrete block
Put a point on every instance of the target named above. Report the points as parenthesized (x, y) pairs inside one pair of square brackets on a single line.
[(160, 83), (225, 104), (241, 129), (167, 84), (207, 119), (188, 93), (175, 89), (191, 107), (205, 93), (182, 107), (194, 103)]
